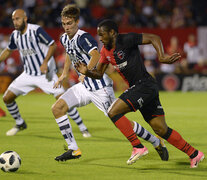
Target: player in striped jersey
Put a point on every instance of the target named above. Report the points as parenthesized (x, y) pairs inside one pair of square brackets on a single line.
[(80, 46), (36, 49)]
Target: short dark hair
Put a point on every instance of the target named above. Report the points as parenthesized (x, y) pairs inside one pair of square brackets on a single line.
[(109, 25), (71, 11)]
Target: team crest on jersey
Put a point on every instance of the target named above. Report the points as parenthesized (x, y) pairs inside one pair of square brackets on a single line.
[(30, 39), (120, 55)]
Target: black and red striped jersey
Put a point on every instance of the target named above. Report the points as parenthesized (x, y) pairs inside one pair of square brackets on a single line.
[(126, 58)]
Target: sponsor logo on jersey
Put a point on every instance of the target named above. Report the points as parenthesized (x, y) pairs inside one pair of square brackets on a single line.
[(120, 55), (28, 52), (121, 66), (140, 102), (108, 58)]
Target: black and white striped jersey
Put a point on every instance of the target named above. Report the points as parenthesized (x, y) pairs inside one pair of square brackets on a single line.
[(33, 46), (78, 49)]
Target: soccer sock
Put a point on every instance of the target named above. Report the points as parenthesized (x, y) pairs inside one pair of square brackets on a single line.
[(146, 135), (124, 125), (66, 130), (174, 138), (74, 115), (14, 111)]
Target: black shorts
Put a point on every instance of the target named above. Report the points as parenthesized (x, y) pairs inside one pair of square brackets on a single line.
[(145, 97)]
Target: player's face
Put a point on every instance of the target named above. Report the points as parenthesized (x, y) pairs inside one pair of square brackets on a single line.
[(70, 26), (105, 37), (19, 22)]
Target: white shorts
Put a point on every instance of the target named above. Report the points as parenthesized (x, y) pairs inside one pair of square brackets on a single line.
[(25, 83), (78, 96)]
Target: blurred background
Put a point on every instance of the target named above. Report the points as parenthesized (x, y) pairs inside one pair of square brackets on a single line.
[(181, 24)]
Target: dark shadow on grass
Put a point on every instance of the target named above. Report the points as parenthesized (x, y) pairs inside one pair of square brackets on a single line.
[(28, 172), (183, 170)]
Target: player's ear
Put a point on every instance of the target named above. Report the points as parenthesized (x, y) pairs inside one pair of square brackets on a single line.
[(25, 18)]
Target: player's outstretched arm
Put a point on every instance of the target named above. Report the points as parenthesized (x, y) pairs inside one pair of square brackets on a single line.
[(5, 54), (96, 73), (157, 43)]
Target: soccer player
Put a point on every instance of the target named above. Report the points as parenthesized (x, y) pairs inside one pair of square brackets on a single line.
[(36, 48), (81, 46), (121, 50)]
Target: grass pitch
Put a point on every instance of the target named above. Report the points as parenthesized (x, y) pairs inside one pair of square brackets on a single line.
[(105, 154)]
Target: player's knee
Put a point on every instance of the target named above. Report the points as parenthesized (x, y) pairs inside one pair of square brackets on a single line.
[(111, 114), (56, 110), (6, 99), (161, 131)]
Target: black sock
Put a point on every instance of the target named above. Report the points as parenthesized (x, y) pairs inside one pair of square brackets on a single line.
[(139, 146), (194, 154)]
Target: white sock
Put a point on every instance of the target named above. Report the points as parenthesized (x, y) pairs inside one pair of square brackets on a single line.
[(146, 135), (66, 130)]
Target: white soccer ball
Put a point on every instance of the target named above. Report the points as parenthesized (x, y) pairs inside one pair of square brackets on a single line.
[(10, 161)]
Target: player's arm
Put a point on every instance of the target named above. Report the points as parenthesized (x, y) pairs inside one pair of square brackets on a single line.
[(157, 43), (50, 53), (44, 38), (95, 56), (5, 54), (96, 73), (64, 73)]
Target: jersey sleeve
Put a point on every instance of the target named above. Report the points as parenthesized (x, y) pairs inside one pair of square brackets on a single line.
[(44, 37), (103, 58), (134, 39), (12, 45), (87, 43)]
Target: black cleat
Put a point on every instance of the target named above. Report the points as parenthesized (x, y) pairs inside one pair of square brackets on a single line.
[(162, 150), (70, 154)]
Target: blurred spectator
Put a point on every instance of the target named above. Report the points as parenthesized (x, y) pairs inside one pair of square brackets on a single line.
[(139, 13), (11, 66), (201, 67), (172, 48), (150, 58), (193, 52)]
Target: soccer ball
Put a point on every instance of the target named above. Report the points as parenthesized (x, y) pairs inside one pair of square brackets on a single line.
[(10, 161)]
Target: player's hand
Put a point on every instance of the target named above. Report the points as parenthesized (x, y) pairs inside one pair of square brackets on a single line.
[(81, 78), (59, 83), (81, 67), (44, 68), (170, 59)]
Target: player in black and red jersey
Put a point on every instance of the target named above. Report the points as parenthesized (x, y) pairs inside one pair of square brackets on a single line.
[(121, 50)]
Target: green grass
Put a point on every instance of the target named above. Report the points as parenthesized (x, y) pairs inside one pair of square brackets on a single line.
[(105, 154)]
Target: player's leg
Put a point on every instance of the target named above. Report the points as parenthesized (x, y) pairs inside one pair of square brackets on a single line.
[(20, 86), (60, 108), (47, 87), (157, 142), (116, 114), (160, 127), (75, 116)]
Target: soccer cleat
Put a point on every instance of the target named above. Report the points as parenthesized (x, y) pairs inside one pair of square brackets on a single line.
[(86, 134), (162, 150), (2, 113), (136, 154), (69, 154), (195, 161), (16, 129)]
